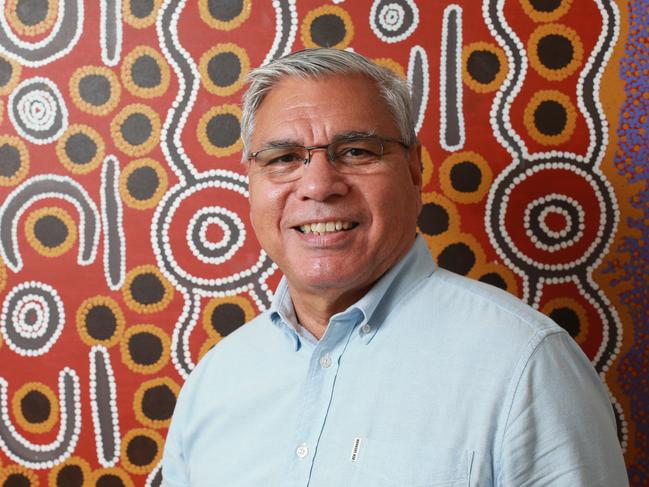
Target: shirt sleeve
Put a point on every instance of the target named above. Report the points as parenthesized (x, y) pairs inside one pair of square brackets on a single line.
[(174, 469), (560, 430)]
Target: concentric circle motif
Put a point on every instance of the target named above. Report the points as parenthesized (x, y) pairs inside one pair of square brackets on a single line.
[(9, 74), (145, 348), (484, 66), (17, 475), (32, 318), (154, 402), (81, 149), (393, 20), (559, 238), (497, 275), (206, 347), (222, 316), (570, 315), (554, 222), (35, 407), (426, 167), (37, 110), (224, 14), (327, 26), (392, 65), (145, 72), (211, 220), (459, 254), (136, 129), (223, 68), (14, 160), (465, 177), (219, 130), (100, 321), (31, 17), (95, 89), (112, 476), (550, 117), (146, 290), (140, 13), (438, 218), (72, 472), (545, 10), (51, 231), (141, 450), (142, 183), (555, 51)]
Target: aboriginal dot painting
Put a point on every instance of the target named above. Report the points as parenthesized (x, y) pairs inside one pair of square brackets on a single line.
[(126, 250)]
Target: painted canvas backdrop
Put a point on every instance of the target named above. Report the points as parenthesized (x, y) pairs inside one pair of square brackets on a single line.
[(125, 243)]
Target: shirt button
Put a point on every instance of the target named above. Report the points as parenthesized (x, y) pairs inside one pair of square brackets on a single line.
[(325, 361), (366, 328), (302, 451)]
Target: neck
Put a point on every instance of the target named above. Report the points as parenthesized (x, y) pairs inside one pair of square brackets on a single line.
[(314, 310)]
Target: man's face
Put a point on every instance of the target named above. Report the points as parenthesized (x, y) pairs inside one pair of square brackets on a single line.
[(378, 210)]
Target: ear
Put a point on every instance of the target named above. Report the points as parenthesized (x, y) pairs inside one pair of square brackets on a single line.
[(416, 167)]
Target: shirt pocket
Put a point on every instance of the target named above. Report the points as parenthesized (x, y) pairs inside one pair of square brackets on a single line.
[(395, 464)]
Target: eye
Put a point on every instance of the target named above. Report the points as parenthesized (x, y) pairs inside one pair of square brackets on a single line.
[(359, 151), (285, 158), (280, 156)]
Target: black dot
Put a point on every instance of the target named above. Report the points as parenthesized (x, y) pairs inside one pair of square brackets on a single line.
[(9, 160), (145, 72), (545, 5), (158, 403), (6, 70), (145, 348), (136, 129), (147, 289), (465, 177), (327, 30), (94, 89), (225, 10), (16, 480), (494, 279), (550, 117), (35, 406), (224, 68), (483, 66), (458, 258), (70, 476), (109, 480), (141, 8), (227, 317), (50, 231), (555, 51), (80, 148), (101, 322), (142, 183), (30, 317), (567, 319), (433, 219), (32, 12), (141, 450), (223, 130)]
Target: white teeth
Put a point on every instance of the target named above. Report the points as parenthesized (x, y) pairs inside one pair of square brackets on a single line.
[(325, 227)]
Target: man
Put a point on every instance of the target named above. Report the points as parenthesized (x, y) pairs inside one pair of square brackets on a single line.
[(373, 367)]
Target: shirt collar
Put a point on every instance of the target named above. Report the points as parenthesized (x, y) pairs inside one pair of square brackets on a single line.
[(374, 306)]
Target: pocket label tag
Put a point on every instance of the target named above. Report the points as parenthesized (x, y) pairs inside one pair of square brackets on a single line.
[(355, 449)]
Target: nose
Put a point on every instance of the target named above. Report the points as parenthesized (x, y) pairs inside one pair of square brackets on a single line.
[(320, 179)]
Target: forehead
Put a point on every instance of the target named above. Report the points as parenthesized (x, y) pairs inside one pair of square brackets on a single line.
[(314, 110)]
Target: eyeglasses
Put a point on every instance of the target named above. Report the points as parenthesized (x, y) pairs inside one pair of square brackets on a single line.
[(349, 155)]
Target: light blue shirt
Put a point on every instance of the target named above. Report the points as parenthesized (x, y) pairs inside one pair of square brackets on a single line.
[(431, 379)]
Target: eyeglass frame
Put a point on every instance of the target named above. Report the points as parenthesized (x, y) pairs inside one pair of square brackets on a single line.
[(337, 140)]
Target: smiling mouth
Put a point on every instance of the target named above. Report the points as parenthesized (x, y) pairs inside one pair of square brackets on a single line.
[(322, 228)]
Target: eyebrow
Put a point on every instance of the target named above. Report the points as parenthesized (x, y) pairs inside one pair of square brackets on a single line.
[(352, 134)]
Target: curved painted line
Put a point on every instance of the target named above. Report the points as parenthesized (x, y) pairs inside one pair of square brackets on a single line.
[(42, 187), (103, 402), (418, 78), (110, 31), (38, 456), (180, 355), (64, 36), (285, 29), (112, 219), (154, 479), (452, 132)]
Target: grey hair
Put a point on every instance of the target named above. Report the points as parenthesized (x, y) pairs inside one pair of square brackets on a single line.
[(320, 62)]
